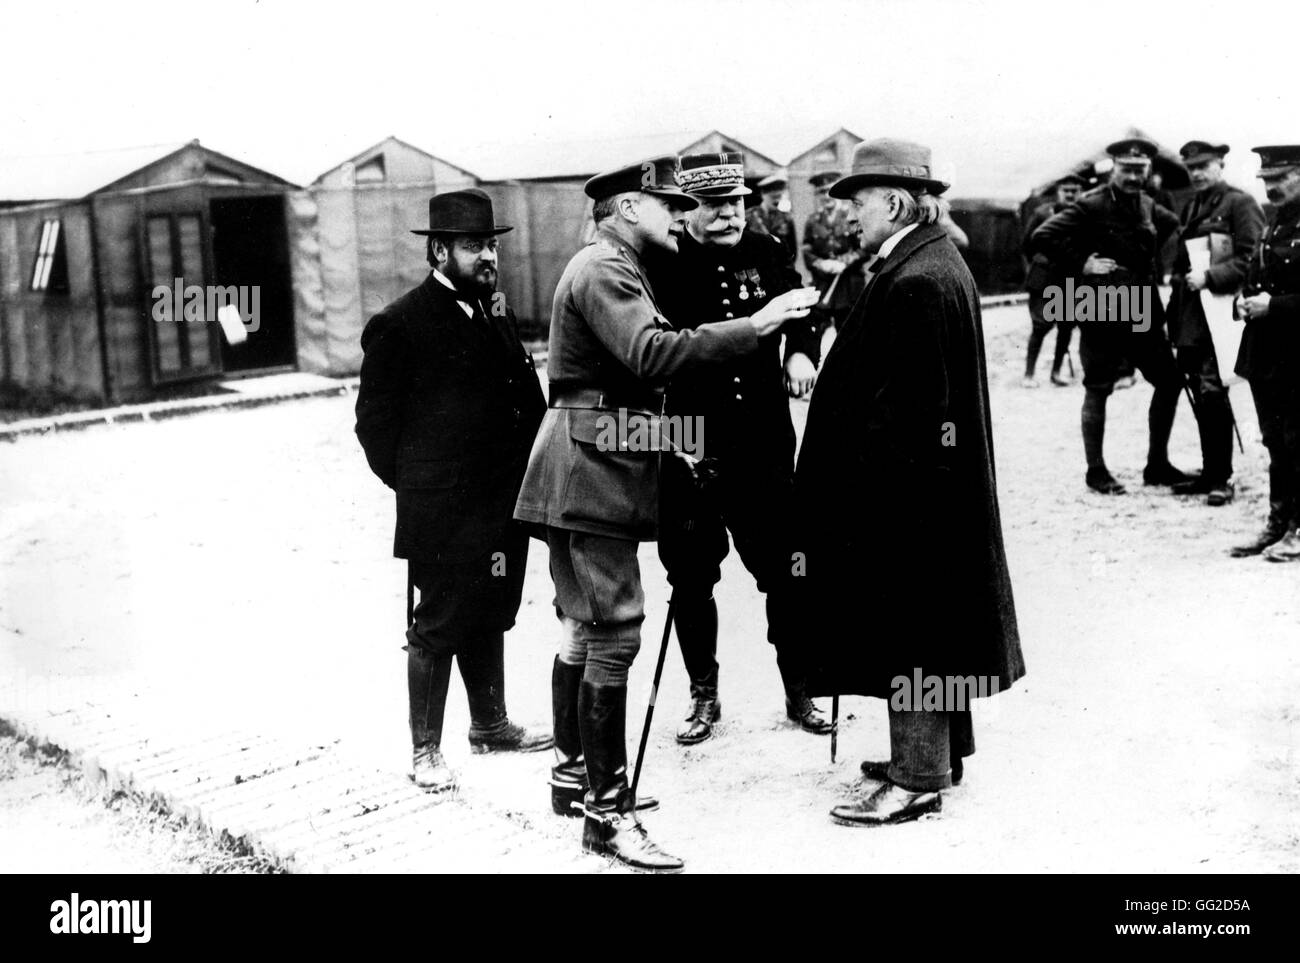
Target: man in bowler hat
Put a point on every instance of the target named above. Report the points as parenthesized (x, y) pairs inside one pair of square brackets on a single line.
[(447, 409), (594, 497), (901, 529)]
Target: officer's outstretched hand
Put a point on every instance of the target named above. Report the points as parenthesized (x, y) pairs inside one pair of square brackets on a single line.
[(800, 375), (785, 307)]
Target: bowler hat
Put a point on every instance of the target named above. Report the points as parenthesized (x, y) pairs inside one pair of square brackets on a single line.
[(1278, 159), (889, 162), (657, 176), (1199, 152), (462, 212)]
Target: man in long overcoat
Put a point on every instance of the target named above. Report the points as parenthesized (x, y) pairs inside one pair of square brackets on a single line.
[(902, 531), (446, 411)]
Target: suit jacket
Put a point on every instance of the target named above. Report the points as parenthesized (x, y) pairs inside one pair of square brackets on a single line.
[(743, 402), (900, 526), (1222, 209), (611, 348), (447, 410)]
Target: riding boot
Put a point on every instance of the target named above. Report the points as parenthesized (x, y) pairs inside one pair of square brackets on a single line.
[(611, 826), (427, 678), (482, 668), (696, 620), (1275, 528)]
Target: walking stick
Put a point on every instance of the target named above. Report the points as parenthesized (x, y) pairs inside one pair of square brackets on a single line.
[(410, 597), (654, 693), (835, 725)]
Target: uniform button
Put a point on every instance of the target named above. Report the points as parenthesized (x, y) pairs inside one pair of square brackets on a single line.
[(721, 268), (737, 379), (726, 300), (738, 397), (730, 315)]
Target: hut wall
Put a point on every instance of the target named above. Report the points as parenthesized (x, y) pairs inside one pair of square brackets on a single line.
[(49, 339), (117, 222)]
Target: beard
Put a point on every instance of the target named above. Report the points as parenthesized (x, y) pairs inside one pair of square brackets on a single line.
[(479, 282)]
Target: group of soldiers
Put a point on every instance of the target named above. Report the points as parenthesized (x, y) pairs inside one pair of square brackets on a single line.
[(684, 307), (1112, 236)]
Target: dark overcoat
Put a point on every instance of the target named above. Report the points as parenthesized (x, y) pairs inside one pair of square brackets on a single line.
[(902, 535), (446, 411), (1270, 346)]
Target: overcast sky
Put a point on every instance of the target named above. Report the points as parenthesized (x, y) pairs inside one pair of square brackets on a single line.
[(296, 87)]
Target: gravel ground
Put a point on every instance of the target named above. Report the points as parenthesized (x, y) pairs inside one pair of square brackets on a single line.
[(236, 564), (54, 820)]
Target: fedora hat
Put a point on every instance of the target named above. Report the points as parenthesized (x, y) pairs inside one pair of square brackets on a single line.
[(889, 162), (462, 212)]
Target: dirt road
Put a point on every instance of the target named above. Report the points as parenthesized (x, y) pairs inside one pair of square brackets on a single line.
[(236, 565)]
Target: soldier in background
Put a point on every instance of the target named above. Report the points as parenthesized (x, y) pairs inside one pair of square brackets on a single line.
[(1230, 216), (1112, 236), (1041, 274), (1270, 352), (829, 246), (772, 216)]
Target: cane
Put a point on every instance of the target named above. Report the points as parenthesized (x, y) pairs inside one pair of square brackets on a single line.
[(835, 725), (654, 692)]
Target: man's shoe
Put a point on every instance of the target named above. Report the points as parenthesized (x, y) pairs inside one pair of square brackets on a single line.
[(430, 771), (619, 835), (1165, 474), (1220, 495), (699, 722), (1059, 381), (1101, 480), (1199, 485), (888, 804), (1029, 381), (801, 709), (508, 737), (1287, 549), (1275, 528), (879, 770), (1128, 381)]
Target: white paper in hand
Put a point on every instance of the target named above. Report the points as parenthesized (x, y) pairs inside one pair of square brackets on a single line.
[(1225, 333)]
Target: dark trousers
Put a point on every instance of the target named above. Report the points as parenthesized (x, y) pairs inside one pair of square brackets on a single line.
[(464, 609), (1213, 414), (1038, 332), (923, 745), (1107, 350), (754, 502), (1277, 404)]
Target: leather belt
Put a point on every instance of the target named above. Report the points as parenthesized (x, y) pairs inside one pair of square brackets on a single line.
[(590, 399)]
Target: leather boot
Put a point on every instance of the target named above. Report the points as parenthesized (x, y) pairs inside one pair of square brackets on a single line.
[(611, 826), (1287, 549), (427, 677), (1093, 423), (569, 774), (1279, 515), (801, 709), (482, 668), (705, 711)]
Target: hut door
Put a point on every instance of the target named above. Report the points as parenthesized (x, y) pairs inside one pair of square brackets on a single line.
[(182, 337)]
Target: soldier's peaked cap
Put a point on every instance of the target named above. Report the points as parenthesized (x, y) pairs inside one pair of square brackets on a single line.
[(1132, 149), (822, 178), (714, 175), (1201, 151), (657, 175), (1277, 159)]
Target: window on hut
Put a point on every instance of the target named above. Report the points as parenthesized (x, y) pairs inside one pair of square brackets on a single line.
[(50, 273)]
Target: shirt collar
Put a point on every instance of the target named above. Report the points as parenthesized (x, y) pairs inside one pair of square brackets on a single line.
[(465, 305), (891, 242)]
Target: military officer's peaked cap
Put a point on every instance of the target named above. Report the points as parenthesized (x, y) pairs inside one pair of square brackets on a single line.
[(822, 178), (772, 182), (714, 175), (1277, 160), (1071, 179), (1200, 151), (1132, 149), (657, 176)]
